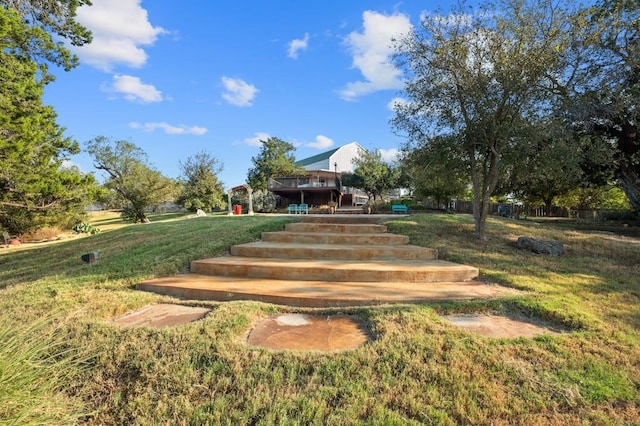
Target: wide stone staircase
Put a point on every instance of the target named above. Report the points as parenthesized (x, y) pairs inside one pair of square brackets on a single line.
[(322, 261)]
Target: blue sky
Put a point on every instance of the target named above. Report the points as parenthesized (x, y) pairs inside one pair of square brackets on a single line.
[(179, 78)]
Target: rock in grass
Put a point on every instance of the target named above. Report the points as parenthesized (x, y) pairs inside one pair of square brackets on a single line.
[(550, 247)]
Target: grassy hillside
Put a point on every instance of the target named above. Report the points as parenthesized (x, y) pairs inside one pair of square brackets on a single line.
[(419, 369)]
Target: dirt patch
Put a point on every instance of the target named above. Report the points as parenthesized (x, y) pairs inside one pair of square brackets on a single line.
[(501, 326), (325, 333), (162, 315)]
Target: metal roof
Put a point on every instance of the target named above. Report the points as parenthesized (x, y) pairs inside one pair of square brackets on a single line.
[(316, 158)]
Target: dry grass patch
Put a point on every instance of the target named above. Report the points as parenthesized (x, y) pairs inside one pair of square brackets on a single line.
[(418, 370)]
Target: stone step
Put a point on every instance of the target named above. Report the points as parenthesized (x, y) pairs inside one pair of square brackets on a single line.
[(366, 228), (334, 238), (265, 249), (319, 294), (416, 271), (344, 218)]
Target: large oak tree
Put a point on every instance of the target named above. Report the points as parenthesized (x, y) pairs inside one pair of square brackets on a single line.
[(130, 176), (480, 76), (605, 99)]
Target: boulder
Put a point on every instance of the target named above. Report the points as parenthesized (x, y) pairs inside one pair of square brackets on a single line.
[(550, 247), (200, 213)]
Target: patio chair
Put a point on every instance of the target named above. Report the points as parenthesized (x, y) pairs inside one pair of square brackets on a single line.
[(293, 208), (303, 208)]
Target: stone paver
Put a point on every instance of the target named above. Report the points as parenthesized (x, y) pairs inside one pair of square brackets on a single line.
[(325, 333), (162, 315), (500, 326)]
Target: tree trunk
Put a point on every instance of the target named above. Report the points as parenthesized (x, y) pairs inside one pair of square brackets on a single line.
[(548, 203), (483, 186), (630, 181)]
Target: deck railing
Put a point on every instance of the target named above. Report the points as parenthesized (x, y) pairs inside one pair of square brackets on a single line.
[(302, 183)]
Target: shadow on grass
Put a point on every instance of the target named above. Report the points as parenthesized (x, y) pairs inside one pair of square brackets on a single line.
[(597, 269), (133, 252)]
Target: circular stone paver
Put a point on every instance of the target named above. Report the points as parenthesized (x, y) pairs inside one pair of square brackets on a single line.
[(162, 315), (326, 333), (500, 326)]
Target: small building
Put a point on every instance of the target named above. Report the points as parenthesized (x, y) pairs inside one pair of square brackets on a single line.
[(321, 184)]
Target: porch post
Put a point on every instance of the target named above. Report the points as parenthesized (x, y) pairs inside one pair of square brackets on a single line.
[(250, 192), (229, 203)]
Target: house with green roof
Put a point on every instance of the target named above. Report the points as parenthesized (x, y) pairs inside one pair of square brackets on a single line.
[(321, 184)]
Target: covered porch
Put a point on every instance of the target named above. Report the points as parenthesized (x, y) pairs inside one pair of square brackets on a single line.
[(316, 188)]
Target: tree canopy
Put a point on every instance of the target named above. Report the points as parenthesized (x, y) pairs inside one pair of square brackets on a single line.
[(129, 175), (35, 188), (275, 159), (435, 169), (604, 98), (49, 21), (480, 77), (200, 186), (371, 174)]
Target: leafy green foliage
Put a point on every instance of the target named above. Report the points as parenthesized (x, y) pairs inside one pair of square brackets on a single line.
[(85, 228), (481, 77), (371, 174), (48, 21), (547, 166), (35, 188), (604, 99), (264, 201), (275, 159), (595, 197), (200, 187), (435, 170), (130, 176)]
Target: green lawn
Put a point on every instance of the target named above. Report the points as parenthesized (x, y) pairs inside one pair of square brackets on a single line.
[(418, 370)]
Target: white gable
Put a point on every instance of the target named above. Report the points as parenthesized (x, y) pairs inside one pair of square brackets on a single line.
[(344, 156)]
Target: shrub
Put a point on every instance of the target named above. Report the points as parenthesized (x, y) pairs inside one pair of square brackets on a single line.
[(86, 228)]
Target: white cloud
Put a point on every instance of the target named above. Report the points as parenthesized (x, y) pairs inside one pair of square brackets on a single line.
[(255, 140), (121, 29), (397, 102), (296, 45), (238, 92), (389, 155), (322, 142), (135, 90), (170, 129), (371, 50), (70, 165)]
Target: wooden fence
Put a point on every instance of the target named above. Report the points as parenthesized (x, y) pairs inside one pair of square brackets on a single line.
[(519, 210)]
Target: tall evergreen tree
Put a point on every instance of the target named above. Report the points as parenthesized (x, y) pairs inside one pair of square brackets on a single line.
[(200, 186), (49, 21), (35, 188)]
